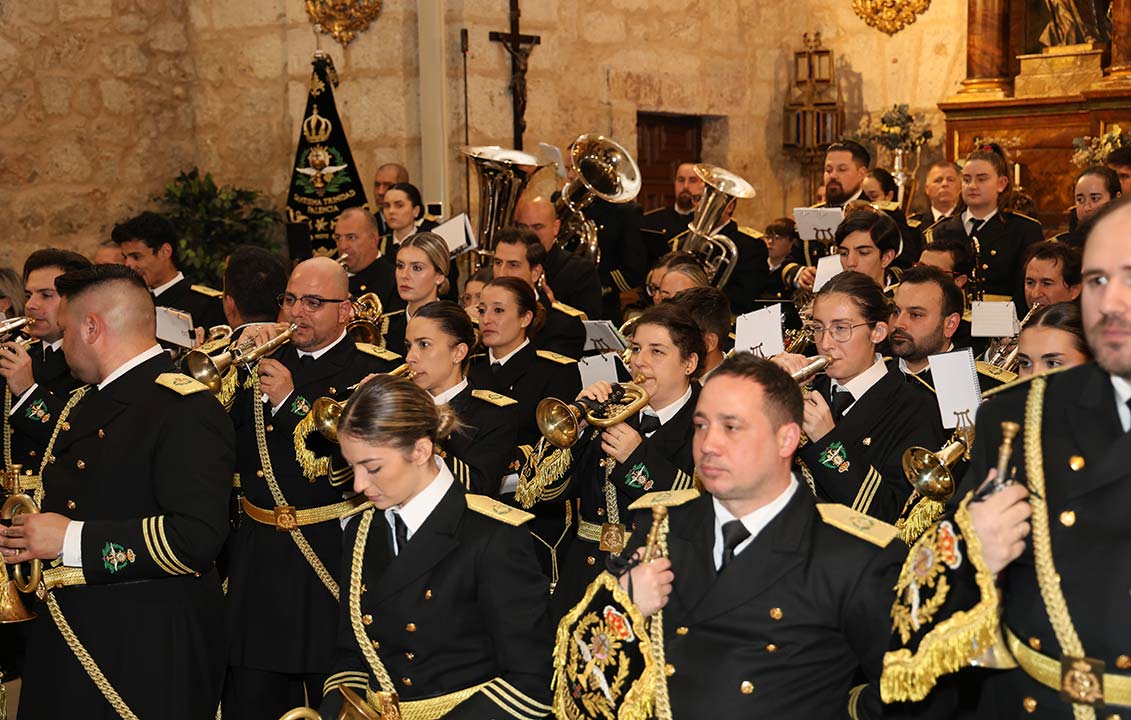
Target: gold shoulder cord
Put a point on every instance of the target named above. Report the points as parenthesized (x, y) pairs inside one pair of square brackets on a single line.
[(1047, 578), (277, 494), (663, 705), (367, 649), (7, 428)]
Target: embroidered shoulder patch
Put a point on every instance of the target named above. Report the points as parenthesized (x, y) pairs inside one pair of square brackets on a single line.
[(210, 292), (570, 310), (862, 526), (639, 477), (379, 352), (115, 557), (1005, 376), (180, 384), (549, 355), (664, 498), (300, 406), (37, 410), (500, 511), (493, 397), (834, 457)]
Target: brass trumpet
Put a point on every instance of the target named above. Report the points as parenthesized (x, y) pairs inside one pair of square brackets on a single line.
[(930, 473), (23, 505), (560, 421), (327, 411), (218, 338), (354, 708), (210, 369), (11, 325), (805, 373), (365, 326)]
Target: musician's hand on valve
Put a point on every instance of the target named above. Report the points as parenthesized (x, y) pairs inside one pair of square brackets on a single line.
[(37, 536), (275, 381), (790, 362), (1001, 521), (806, 276), (15, 368), (261, 333), (619, 441), (198, 335), (818, 421), (651, 585), (598, 391)]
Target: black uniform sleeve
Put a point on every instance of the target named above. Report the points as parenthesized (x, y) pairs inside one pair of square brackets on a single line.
[(750, 278), (35, 417), (192, 475), (491, 449), (649, 469)]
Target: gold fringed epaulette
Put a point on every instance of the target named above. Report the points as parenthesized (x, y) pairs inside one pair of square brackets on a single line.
[(228, 388), (924, 513), (313, 467), (858, 524), (570, 310), (500, 511), (210, 292), (957, 636), (556, 357), (493, 397), (541, 472), (664, 498), (180, 384), (378, 352), (1005, 376)]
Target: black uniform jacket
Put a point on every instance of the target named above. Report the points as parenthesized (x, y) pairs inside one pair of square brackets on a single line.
[(786, 628), (528, 377), (461, 604), (562, 332), (281, 617), (574, 281), (751, 276), (661, 462), (32, 422), (377, 277), (660, 227), (147, 470), (1003, 242), (858, 463), (485, 443), (203, 304), (1088, 488)]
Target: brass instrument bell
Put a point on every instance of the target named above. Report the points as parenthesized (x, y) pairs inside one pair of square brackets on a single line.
[(327, 411), (605, 170), (560, 421), (717, 253), (210, 369), (930, 472), (354, 708), (365, 326), (22, 504)]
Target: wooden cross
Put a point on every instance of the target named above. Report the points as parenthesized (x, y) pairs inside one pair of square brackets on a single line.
[(519, 46)]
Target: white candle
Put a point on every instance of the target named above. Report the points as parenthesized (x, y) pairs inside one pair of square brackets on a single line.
[(1016, 174)]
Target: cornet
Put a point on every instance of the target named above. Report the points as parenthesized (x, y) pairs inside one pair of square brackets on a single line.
[(23, 505), (931, 473), (805, 373), (327, 411), (210, 369), (560, 421), (12, 608), (11, 325)]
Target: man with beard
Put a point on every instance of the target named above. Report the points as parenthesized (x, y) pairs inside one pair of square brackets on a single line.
[(941, 189), (1044, 560), (846, 166), (926, 314), (663, 224)]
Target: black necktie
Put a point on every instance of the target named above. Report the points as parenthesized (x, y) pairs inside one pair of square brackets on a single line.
[(734, 532), (48, 354), (305, 361), (496, 367), (400, 532), (840, 401), (649, 423), (975, 225)]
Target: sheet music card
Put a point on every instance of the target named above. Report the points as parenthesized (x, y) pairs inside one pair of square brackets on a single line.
[(828, 267), (955, 377), (598, 367), (760, 332), (602, 336), (174, 326), (457, 234), (993, 319), (818, 223)]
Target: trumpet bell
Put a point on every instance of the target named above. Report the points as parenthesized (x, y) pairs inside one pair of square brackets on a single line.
[(928, 473), (208, 369), (559, 422), (364, 331), (327, 412), (12, 608)]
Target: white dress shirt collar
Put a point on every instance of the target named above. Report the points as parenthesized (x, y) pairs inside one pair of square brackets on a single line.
[(1122, 388), (967, 218), (446, 397), (130, 365), (670, 411), (416, 511), (503, 360), (162, 288), (319, 353), (863, 382), (755, 522)]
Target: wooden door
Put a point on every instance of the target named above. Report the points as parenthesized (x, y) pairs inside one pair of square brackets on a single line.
[(663, 142)]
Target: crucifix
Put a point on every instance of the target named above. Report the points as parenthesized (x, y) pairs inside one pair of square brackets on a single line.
[(519, 46)]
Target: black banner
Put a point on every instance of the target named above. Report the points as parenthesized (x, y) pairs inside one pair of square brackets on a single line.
[(325, 181)]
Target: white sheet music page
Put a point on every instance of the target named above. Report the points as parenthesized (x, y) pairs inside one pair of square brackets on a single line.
[(955, 377), (993, 319), (597, 367), (760, 332)]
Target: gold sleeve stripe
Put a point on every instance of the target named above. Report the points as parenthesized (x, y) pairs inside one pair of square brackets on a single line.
[(523, 697), (867, 491), (618, 278), (148, 531), (168, 549), (356, 680), (461, 472), (854, 700), (513, 702), (682, 481)]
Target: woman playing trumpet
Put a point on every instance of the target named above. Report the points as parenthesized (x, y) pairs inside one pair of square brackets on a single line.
[(442, 602), (439, 341), (650, 451), (862, 416)]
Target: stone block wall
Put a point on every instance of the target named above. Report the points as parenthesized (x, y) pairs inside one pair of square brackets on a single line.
[(103, 101)]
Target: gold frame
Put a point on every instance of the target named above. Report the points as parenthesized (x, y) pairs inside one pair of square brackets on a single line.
[(342, 19), (890, 16)]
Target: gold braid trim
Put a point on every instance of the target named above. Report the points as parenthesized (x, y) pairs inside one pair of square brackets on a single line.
[(924, 513), (1047, 577), (8, 431), (228, 388), (87, 662), (663, 709), (277, 494), (542, 471), (312, 466), (367, 650), (955, 642), (48, 458)]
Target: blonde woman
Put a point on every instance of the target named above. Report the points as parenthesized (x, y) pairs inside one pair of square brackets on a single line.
[(422, 266)]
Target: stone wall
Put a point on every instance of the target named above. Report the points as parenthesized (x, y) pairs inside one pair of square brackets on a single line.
[(103, 101)]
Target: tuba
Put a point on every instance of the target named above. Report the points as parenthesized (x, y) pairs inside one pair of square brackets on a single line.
[(503, 175), (560, 421), (366, 325), (717, 253), (210, 369), (605, 170), (327, 411)]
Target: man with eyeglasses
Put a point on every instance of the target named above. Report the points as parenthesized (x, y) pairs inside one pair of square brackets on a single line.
[(286, 551), (572, 279), (357, 237)]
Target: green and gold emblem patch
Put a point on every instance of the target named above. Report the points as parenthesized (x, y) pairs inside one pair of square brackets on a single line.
[(115, 557)]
